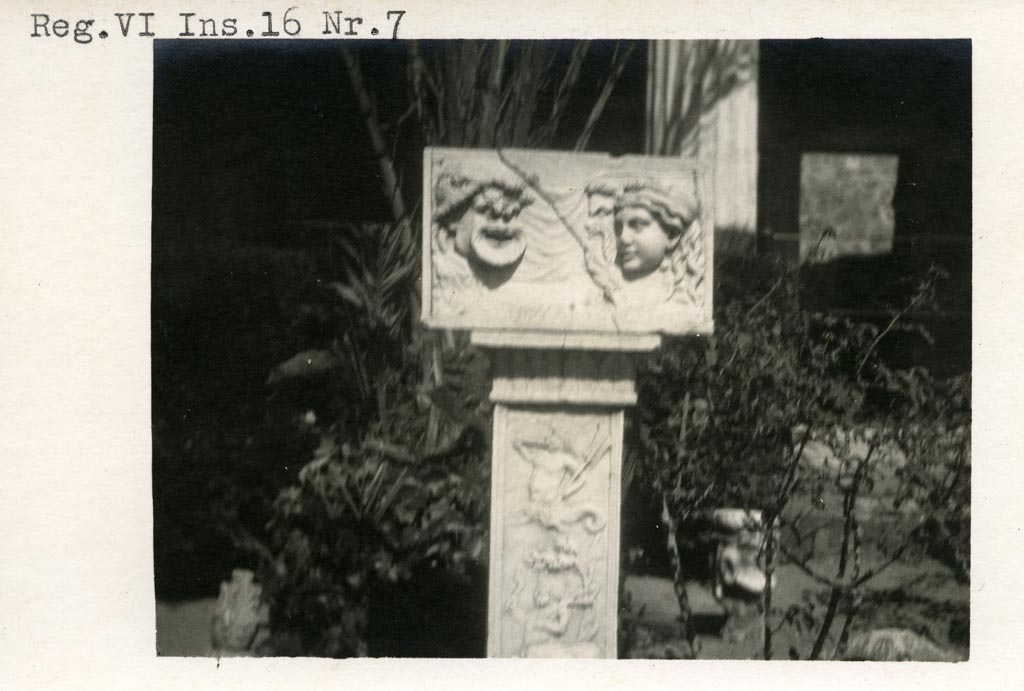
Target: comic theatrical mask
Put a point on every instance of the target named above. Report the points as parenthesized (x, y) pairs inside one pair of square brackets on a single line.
[(481, 223), (493, 239)]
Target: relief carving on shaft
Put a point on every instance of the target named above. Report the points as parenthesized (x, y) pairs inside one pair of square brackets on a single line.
[(558, 473), (555, 587), (561, 588)]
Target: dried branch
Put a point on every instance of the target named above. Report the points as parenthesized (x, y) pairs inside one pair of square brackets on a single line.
[(855, 598), (922, 292), (830, 612), (678, 577), (841, 588), (801, 564), (768, 294), (769, 544), (911, 536), (791, 470)]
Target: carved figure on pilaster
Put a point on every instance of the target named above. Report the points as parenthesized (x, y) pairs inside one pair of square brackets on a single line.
[(555, 479), (558, 617), (557, 474)]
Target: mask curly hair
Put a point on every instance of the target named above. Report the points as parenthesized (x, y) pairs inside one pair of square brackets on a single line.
[(454, 194)]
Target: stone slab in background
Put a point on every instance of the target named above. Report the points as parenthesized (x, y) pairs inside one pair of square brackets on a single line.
[(851, 194)]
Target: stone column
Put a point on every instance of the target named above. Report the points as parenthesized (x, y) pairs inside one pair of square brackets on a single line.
[(702, 104)]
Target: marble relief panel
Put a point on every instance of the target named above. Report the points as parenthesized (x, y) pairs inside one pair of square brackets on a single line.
[(554, 241)]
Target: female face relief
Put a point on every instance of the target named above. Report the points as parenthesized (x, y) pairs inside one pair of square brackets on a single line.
[(641, 240)]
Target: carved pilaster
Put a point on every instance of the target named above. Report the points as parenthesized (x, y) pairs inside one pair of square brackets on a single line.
[(556, 466), (554, 532)]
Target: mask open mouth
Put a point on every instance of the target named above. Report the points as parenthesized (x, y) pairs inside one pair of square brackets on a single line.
[(498, 245)]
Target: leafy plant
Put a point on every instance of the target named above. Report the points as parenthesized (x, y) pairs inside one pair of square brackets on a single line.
[(393, 492), (729, 422), (360, 520), (398, 486)]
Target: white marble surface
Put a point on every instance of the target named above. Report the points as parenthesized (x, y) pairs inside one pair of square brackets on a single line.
[(554, 532), (563, 376), (519, 240)]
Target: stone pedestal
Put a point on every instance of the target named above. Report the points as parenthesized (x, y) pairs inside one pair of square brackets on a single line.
[(566, 267), (555, 497)]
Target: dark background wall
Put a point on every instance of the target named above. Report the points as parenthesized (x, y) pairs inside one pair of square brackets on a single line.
[(909, 98), (250, 135)]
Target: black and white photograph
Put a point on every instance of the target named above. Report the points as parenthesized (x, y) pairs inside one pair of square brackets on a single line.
[(620, 349), (588, 344)]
